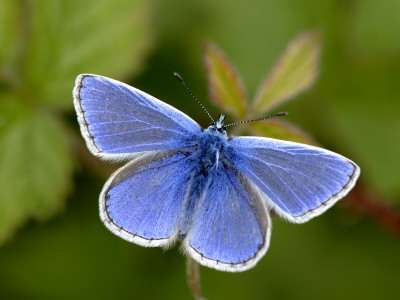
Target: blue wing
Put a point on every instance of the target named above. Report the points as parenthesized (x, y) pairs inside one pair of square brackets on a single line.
[(231, 229), (142, 201), (119, 121), (298, 181)]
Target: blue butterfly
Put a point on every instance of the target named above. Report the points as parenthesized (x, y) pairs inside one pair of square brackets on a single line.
[(199, 186)]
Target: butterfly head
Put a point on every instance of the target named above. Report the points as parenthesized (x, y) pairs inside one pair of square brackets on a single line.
[(217, 129)]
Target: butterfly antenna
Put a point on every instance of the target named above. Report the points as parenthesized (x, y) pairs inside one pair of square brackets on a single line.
[(191, 94), (255, 120)]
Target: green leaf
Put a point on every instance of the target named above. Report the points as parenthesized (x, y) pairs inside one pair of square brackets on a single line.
[(282, 130), (66, 38), (225, 86), (34, 166), (294, 73)]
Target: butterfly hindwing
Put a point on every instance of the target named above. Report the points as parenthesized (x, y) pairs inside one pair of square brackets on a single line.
[(232, 227), (119, 121), (299, 181), (141, 203)]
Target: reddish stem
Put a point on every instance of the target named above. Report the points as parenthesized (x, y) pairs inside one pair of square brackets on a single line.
[(366, 202)]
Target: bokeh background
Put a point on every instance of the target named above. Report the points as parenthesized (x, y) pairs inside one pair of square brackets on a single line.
[(53, 244)]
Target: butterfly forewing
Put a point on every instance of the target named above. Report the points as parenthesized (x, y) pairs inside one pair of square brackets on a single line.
[(119, 121), (299, 181)]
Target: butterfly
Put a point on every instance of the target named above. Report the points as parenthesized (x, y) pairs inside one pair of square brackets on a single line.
[(212, 192)]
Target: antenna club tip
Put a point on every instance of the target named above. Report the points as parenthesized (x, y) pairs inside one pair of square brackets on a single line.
[(179, 77)]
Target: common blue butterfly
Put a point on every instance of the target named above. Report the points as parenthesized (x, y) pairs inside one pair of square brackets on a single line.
[(199, 186)]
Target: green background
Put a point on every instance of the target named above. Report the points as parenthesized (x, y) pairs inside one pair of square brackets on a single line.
[(54, 245)]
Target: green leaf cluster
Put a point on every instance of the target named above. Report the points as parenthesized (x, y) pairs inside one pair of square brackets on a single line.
[(295, 71)]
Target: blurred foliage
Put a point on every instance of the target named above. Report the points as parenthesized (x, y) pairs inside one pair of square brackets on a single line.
[(352, 109), (47, 44)]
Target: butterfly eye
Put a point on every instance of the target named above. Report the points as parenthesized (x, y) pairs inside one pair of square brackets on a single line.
[(221, 129)]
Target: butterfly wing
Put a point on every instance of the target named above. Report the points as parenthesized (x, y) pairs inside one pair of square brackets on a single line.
[(119, 121), (231, 231), (298, 181), (142, 201)]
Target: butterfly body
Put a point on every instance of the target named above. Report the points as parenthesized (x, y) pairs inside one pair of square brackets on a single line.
[(205, 163), (208, 190)]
